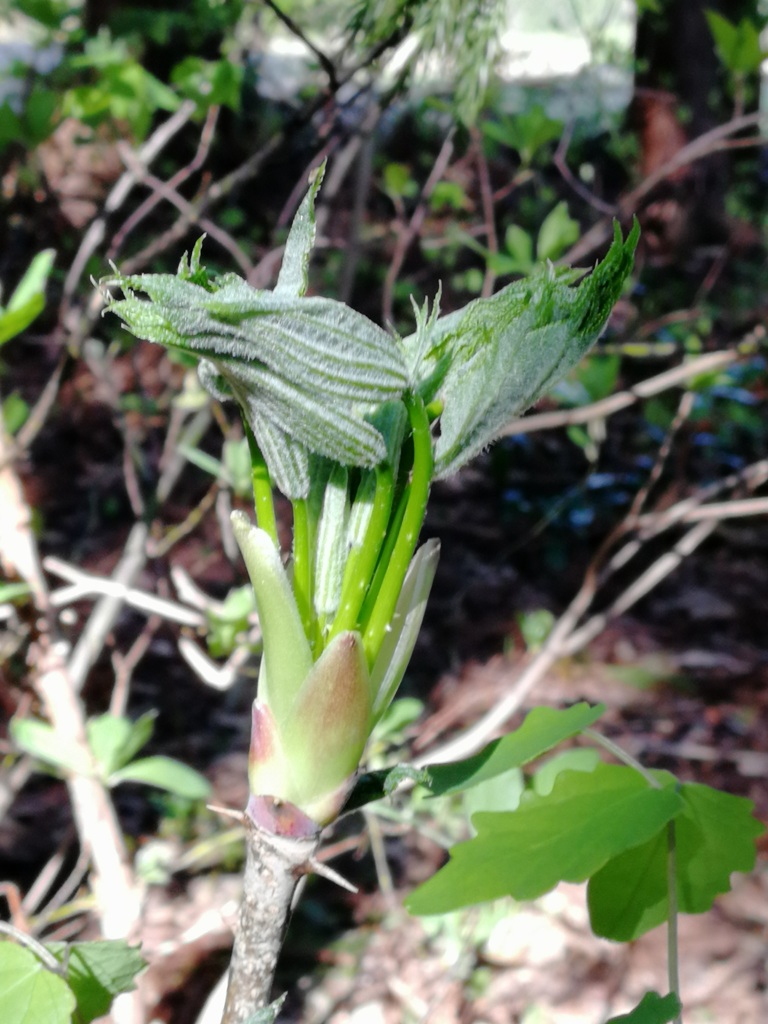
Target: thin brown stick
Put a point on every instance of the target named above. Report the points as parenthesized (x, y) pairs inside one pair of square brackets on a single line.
[(710, 142), (489, 216), (571, 635), (178, 179), (559, 160), (624, 399), (411, 230), (186, 208)]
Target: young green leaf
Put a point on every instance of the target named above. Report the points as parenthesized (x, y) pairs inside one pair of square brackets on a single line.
[(306, 369), (566, 836), (542, 729), (28, 299), (714, 836), (493, 359), (557, 232), (164, 773), (293, 277), (652, 1009), (29, 991), (41, 741), (114, 741)]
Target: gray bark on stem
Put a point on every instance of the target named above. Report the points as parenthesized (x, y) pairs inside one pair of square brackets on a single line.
[(274, 867)]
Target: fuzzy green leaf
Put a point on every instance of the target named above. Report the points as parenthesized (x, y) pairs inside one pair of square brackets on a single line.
[(293, 277), (304, 370), (542, 729), (714, 836), (493, 359), (588, 818)]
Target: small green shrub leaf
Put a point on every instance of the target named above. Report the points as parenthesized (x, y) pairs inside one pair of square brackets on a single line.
[(542, 729), (97, 972), (13, 591), (28, 299), (167, 774), (588, 818), (29, 991), (652, 1009), (714, 836), (114, 741), (41, 741), (558, 231)]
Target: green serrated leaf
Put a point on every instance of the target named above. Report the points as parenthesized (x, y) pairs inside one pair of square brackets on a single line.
[(97, 972), (564, 837), (652, 1009), (493, 359), (310, 370), (30, 993), (165, 773), (714, 836), (542, 729)]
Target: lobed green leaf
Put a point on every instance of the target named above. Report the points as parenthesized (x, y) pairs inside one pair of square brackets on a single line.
[(652, 1009), (714, 836), (566, 836)]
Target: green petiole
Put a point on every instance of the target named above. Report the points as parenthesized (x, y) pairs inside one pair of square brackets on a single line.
[(361, 563), (302, 570), (382, 600), (263, 502)]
